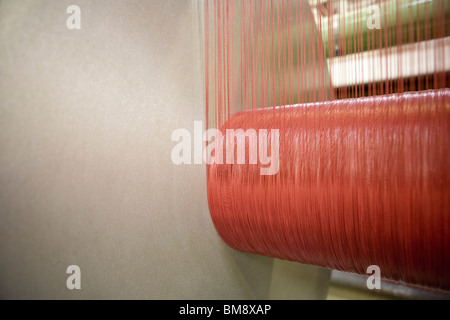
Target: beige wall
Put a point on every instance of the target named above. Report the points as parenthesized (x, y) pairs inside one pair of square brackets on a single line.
[(85, 171)]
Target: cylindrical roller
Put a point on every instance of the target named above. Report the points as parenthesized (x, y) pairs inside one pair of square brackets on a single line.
[(360, 182)]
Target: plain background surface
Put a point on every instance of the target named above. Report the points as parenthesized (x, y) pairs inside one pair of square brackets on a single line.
[(86, 177)]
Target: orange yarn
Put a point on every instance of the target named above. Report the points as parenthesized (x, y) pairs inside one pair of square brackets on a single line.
[(361, 182)]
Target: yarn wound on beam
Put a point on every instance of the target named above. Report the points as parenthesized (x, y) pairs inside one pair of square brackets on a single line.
[(363, 175)]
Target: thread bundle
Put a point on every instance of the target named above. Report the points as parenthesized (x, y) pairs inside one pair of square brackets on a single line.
[(361, 181)]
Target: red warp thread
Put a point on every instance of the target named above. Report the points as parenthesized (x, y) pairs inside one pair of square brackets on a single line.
[(361, 182)]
